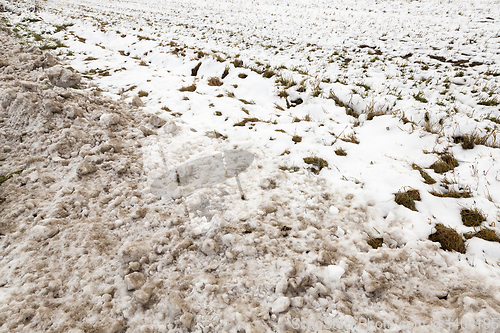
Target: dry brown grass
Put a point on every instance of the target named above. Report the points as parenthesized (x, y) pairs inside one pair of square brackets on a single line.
[(375, 242), (407, 198), (452, 194), (449, 239), (340, 152), (142, 93), (195, 69), (445, 163), (486, 234), (427, 179), (247, 120), (190, 88), (316, 163), (350, 138), (215, 81), (472, 217)]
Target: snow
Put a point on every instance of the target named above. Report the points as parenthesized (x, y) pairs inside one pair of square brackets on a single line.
[(144, 208)]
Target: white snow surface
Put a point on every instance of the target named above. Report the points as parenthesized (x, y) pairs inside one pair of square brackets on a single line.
[(89, 243)]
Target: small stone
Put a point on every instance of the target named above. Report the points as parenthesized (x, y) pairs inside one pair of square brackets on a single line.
[(137, 102), (135, 266), (85, 168), (4, 62), (209, 247), (73, 112), (139, 213), (52, 106), (142, 295), (170, 127), (169, 258), (107, 298), (243, 216), (146, 131), (134, 280), (187, 319), (325, 258), (183, 245), (321, 289), (65, 94), (280, 305), (120, 168), (40, 233), (282, 286), (29, 85), (270, 209), (59, 211), (334, 210), (133, 251), (62, 77), (68, 79), (9, 70), (297, 302), (370, 283), (156, 121)]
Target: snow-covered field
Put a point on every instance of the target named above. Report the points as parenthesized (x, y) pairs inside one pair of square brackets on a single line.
[(124, 219)]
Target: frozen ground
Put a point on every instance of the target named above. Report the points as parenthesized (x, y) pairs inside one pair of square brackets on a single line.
[(96, 235)]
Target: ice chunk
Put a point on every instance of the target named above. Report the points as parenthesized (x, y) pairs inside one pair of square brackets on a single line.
[(62, 77), (281, 304), (109, 119), (134, 280)]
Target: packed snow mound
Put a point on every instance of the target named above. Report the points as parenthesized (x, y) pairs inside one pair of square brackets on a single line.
[(87, 244)]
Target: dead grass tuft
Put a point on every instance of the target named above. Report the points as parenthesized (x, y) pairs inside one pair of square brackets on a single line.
[(317, 163), (489, 102), (375, 242), (4, 178), (348, 109), (427, 179), (297, 138), (283, 94), (244, 101), (278, 107), (407, 198), (291, 169), (452, 194), (195, 69), (190, 88), (486, 234), (449, 239), (142, 93), (226, 72), (219, 135), (472, 217), (350, 138), (214, 81), (340, 152), (467, 141), (247, 120), (237, 63), (287, 82), (268, 73), (445, 163)]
